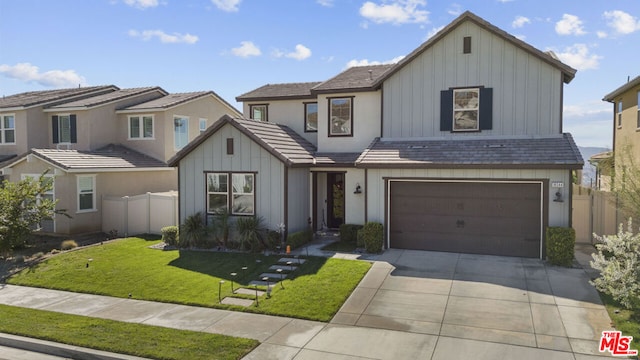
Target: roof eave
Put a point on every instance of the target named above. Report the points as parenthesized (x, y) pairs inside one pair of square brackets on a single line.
[(346, 90), (272, 98), (392, 165), (611, 97)]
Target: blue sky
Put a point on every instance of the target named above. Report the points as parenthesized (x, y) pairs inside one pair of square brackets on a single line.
[(234, 46)]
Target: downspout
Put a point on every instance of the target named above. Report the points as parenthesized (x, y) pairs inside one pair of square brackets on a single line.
[(286, 201), (366, 195)]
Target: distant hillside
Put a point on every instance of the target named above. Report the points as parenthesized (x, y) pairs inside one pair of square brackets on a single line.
[(589, 171)]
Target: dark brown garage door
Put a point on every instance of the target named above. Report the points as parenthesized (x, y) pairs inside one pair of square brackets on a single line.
[(469, 217)]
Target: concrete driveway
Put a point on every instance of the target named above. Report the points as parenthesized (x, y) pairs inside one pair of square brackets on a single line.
[(433, 305)]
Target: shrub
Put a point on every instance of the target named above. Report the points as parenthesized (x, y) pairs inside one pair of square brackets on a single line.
[(273, 239), (372, 234), (170, 235), (618, 260), (193, 231), (349, 232), (68, 245), (561, 242), (299, 238), (360, 239), (251, 233)]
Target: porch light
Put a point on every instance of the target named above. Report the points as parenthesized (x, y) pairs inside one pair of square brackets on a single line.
[(220, 290), (358, 189), (233, 275), (558, 197)]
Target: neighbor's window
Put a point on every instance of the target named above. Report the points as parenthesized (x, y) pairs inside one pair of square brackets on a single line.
[(341, 116), (311, 117), (638, 103), (7, 129), (141, 127), (202, 125), (63, 132), (86, 192), (180, 131), (239, 197), (258, 112), (466, 109), (620, 113)]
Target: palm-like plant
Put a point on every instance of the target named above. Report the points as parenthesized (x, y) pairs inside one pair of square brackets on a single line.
[(251, 232), (193, 231)]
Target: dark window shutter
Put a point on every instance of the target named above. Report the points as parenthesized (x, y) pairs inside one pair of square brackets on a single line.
[(54, 128), (446, 110), (486, 108), (74, 134)]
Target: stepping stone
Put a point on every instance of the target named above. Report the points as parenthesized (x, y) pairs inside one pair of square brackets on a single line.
[(283, 267), (261, 283), (237, 301), (293, 261), (274, 276), (245, 291)]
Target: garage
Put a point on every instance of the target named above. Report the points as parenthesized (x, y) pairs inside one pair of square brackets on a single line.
[(496, 218)]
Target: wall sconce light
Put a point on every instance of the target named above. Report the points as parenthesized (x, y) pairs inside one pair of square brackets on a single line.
[(558, 197), (358, 189)]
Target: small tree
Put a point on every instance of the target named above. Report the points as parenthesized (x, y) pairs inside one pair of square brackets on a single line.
[(618, 260), (626, 179), (22, 207)]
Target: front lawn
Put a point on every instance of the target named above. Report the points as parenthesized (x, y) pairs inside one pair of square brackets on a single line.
[(128, 266), (627, 321), (120, 337)]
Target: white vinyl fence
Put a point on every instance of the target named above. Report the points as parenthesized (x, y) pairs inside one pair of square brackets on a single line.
[(593, 212), (139, 214)]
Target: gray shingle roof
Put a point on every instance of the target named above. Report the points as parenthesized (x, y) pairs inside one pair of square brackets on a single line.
[(282, 142), (107, 158), (107, 98), (622, 89), (336, 159), (280, 91), (33, 98), (169, 100), (358, 78), (552, 152)]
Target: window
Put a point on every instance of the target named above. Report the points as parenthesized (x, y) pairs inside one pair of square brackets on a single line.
[(47, 195), (311, 117), (202, 125), (341, 116), (141, 127), (466, 45), (466, 109), (620, 113), (64, 129), (86, 193), (258, 112), (638, 103), (239, 197), (181, 131), (7, 129)]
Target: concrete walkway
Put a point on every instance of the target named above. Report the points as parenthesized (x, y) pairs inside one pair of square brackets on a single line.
[(411, 305)]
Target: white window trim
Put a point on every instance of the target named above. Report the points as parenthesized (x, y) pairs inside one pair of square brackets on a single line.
[(619, 114), (225, 193), (200, 122), (476, 109), (252, 194), (141, 137), (93, 203), (2, 129), (257, 106), (175, 146), (60, 142)]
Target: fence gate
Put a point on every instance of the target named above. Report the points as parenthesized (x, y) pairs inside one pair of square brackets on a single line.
[(593, 212)]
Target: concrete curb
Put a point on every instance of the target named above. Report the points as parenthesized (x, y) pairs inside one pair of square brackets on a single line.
[(62, 350)]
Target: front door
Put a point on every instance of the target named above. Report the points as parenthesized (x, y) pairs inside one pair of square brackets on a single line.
[(335, 200)]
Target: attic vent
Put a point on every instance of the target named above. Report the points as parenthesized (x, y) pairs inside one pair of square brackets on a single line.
[(417, 146), (494, 146), (466, 45)]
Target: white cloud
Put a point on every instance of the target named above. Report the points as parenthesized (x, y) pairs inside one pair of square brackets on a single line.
[(165, 38), (302, 52), (434, 31), (622, 22), (246, 49), (593, 108), (227, 5), (142, 4), (53, 78), (570, 25), (578, 57), (326, 3), (365, 62), (520, 21), (455, 10), (395, 12), (602, 34)]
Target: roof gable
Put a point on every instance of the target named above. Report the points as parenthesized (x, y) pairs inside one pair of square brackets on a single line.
[(172, 100), (107, 98), (567, 71), (357, 78)]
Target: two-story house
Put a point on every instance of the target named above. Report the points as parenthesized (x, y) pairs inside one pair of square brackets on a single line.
[(102, 141), (458, 147)]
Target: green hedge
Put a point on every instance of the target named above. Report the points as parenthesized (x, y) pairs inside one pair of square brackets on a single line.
[(560, 245), (349, 232), (372, 234), (297, 239), (170, 235)]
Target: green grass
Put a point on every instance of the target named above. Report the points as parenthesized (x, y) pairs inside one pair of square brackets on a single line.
[(120, 337), (627, 321), (341, 246), (128, 266)]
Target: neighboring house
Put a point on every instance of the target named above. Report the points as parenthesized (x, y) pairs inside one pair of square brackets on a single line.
[(626, 124), (108, 141), (458, 147)]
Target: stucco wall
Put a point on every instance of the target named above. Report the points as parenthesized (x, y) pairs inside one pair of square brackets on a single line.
[(286, 112)]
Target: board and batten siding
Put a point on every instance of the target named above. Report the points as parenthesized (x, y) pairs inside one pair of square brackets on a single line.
[(558, 212), (298, 199), (211, 156), (527, 92)]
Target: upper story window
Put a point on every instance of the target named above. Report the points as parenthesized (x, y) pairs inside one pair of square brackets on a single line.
[(202, 125), (64, 129), (638, 103), (141, 127), (86, 193), (466, 109), (311, 117), (180, 131), (341, 116), (7, 129), (619, 114), (259, 112)]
